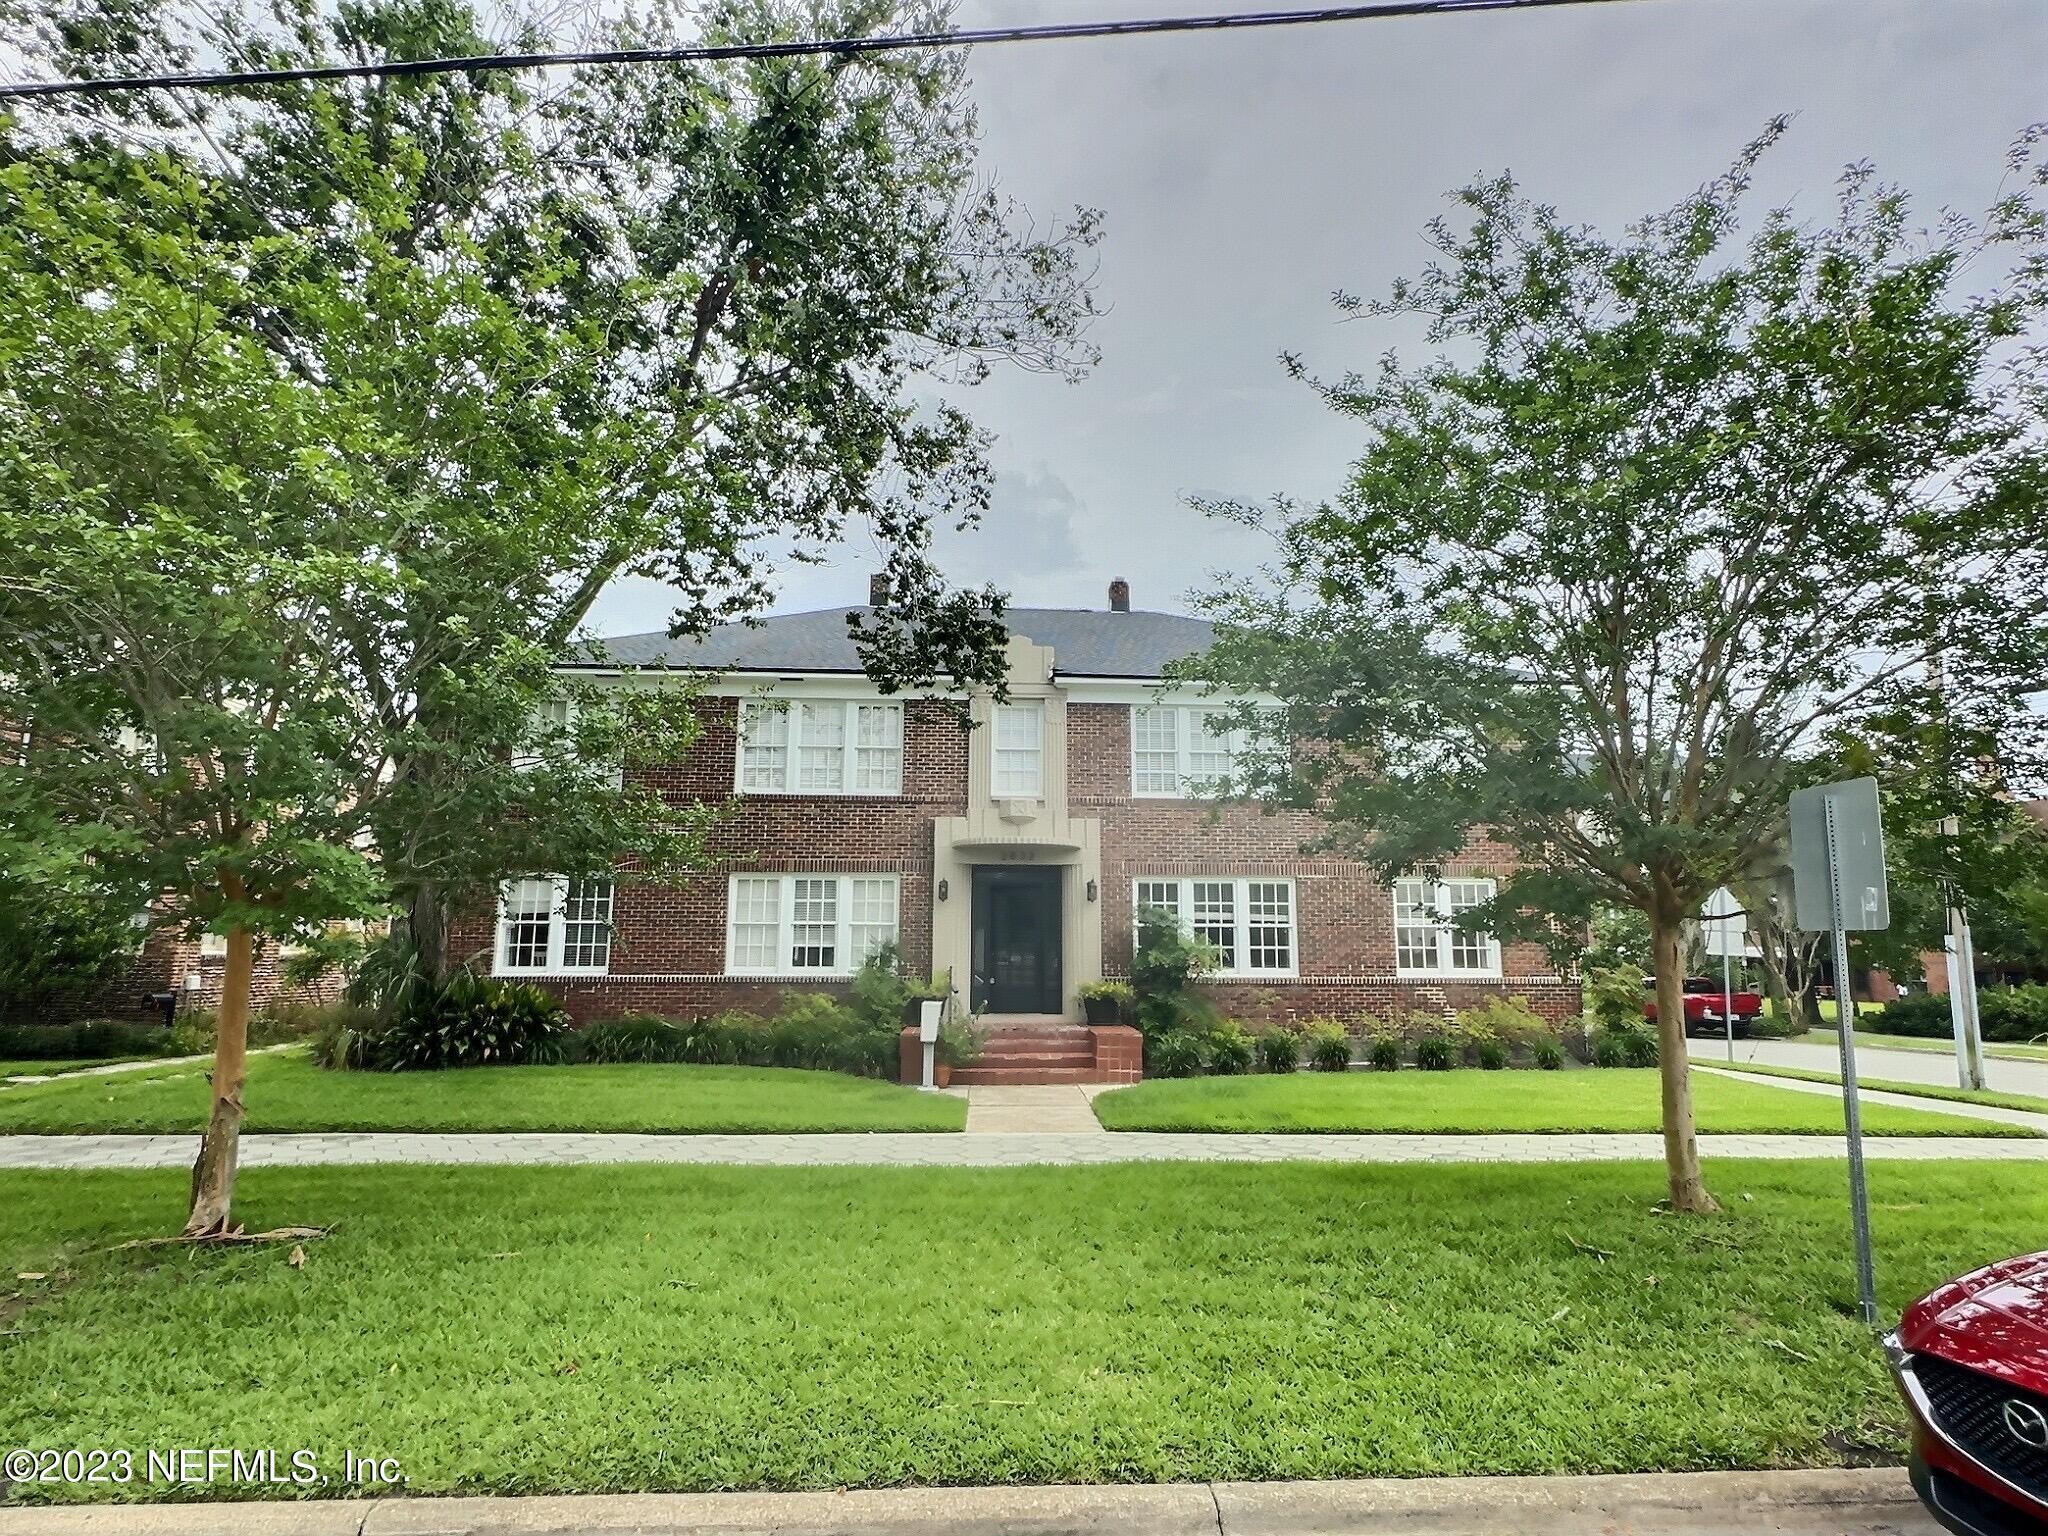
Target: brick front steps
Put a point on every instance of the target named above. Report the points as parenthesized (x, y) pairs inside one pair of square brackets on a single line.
[(1043, 1051)]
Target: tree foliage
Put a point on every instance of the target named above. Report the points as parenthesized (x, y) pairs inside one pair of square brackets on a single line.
[(327, 412), (1664, 509)]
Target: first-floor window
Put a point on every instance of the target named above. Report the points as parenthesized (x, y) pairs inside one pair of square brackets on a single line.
[(794, 925), (548, 923), (1250, 921), (1427, 940)]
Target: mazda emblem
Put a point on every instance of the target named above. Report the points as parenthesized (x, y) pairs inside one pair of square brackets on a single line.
[(2026, 1423)]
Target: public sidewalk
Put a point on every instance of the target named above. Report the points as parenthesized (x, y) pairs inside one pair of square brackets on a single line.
[(1875, 1502), (999, 1149)]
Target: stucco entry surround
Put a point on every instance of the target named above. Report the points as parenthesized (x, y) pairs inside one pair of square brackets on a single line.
[(1020, 831)]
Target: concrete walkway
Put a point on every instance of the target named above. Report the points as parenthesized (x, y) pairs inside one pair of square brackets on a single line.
[(142, 1065), (1876, 1502), (2002, 1074), (997, 1149), (2018, 1117), (1050, 1107)]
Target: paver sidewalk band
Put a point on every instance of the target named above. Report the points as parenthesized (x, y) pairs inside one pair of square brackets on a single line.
[(1869, 1502), (1020, 1149)]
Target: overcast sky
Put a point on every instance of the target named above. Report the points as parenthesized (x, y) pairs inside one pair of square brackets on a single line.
[(1246, 176)]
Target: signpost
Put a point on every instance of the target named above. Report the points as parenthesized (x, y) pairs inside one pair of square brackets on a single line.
[(1725, 927), (1838, 886), (1962, 981)]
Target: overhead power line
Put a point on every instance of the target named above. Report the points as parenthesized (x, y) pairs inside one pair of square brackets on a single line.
[(839, 46)]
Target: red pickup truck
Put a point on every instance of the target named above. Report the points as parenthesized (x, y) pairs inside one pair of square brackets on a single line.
[(1703, 1006)]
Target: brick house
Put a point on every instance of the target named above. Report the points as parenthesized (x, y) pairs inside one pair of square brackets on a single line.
[(1013, 855)]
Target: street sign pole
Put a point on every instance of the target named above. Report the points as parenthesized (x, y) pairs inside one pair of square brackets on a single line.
[(1838, 883), (1845, 1021), (1727, 1005)]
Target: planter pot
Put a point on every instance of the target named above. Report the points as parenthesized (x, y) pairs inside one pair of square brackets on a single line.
[(942, 1073), (1100, 1010)]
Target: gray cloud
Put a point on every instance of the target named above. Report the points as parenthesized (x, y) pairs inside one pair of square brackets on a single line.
[(1247, 175)]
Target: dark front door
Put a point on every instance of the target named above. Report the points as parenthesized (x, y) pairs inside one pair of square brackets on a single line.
[(1016, 940)]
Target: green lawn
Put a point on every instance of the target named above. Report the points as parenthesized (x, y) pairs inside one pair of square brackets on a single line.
[(1606, 1099), (1992, 1097), (1872, 1041), (289, 1093), (607, 1329)]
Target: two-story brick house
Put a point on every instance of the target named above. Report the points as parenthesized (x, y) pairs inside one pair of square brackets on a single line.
[(1012, 855)]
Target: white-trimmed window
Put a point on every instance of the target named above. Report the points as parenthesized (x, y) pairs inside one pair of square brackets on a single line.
[(1250, 920), (1426, 940), (820, 747), (213, 946), (808, 925), (1019, 746), (1184, 749), (547, 923)]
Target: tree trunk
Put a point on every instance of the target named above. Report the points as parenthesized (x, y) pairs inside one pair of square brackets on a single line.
[(213, 1176), (1681, 1144), (427, 924)]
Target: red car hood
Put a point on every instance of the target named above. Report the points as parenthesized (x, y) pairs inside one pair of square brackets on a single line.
[(1994, 1320)]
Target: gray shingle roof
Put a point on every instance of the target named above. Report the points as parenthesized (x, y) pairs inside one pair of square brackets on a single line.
[(1086, 642)]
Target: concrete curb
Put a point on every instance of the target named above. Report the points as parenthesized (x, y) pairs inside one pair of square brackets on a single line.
[(1879, 1502)]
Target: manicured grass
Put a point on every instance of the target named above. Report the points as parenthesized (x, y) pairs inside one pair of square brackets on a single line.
[(1989, 1096), (287, 1092), (1872, 1041), (605, 1329), (1603, 1099)]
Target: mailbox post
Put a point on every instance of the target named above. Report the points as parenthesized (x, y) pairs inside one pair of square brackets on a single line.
[(928, 1015)]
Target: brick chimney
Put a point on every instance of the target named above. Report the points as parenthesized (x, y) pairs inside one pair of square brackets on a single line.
[(1119, 596), (878, 590)]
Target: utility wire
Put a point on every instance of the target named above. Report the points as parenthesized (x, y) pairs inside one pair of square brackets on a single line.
[(844, 47)]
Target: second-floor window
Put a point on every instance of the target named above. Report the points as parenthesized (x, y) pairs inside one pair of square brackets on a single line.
[(1250, 921), (1184, 749), (1427, 941), (547, 923), (821, 747), (1019, 746)]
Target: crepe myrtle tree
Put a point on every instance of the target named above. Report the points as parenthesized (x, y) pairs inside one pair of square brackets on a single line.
[(687, 323), (193, 553), (1664, 508)]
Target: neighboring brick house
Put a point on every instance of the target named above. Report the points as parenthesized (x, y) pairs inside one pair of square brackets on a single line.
[(1013, 855)]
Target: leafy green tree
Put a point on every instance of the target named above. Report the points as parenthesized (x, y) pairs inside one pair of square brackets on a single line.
[(171, 552), (1665, 508), (675, 322)]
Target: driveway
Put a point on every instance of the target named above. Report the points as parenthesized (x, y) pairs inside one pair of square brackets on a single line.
[(1938, 1068)]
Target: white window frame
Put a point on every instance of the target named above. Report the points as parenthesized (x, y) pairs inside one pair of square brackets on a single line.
[(560, 888), (1034, 713), (213, 946), (1190, 737), (844, 961), (1241, 922), (1440, 899), (849, 747)]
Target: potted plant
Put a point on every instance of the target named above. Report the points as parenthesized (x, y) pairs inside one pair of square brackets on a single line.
[(960, 1041), (1108, 1002)]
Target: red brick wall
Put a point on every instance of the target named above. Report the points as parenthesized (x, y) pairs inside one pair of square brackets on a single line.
[(668, 954), (165, 960), (668, 948), (1344, 922)]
